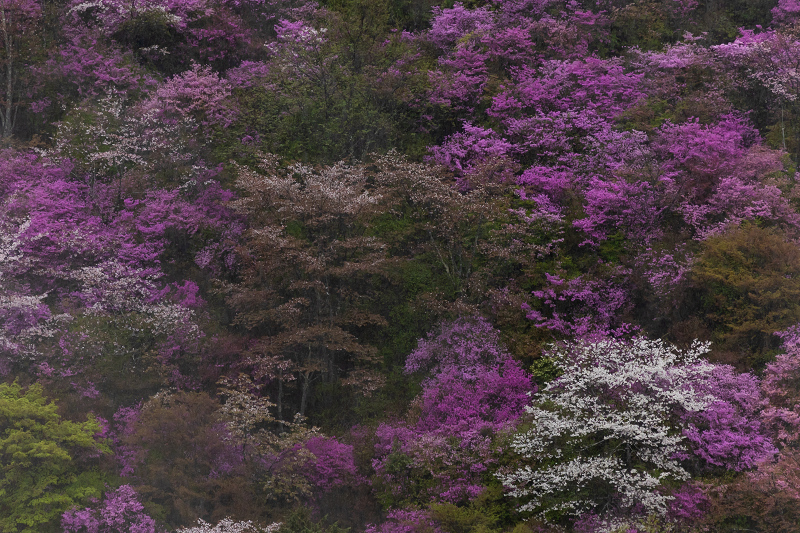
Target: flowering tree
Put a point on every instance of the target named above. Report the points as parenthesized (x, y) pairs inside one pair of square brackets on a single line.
[(119, 512), (312, 245), (474, 392), (73, 266), (608, 436), (768, 496), (226, 525)]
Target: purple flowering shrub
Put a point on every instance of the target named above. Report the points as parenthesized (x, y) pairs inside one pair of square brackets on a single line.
[(83, 269), (166, 35), (729, 433), (119, 512), (564, 126), (406, 521), (474, 392), (331, 465), (580, 307)]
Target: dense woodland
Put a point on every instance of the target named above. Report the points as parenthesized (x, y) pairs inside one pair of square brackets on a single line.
[(399, 266)]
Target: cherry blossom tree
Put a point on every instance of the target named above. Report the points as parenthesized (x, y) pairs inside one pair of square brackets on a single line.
[(226, 525), (312, 243), (608, 436)]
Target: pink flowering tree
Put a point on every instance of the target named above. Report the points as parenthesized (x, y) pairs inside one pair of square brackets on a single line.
[(786, 12), (165, 34), (474, 392), (118, 512), (74, 265), (197, 95), (766, 62), (762, 495), (781, 387)]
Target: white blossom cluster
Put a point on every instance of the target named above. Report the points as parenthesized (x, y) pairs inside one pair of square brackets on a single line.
[(165, 318), (608, 424), (783, 83), (242, 410), (340, 190), (118, 288), (21, 343), (772, 62), (226, 525), (340, 187), (110, 14), (111, 285), (9, 245), (123, 135)]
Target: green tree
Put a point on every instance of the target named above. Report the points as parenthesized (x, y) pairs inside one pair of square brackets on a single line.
[(45, 462), (748, 285)]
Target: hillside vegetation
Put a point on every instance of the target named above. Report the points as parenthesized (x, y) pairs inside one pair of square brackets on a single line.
[(399, 266)]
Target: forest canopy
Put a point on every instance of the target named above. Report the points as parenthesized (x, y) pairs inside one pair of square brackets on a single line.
[(399, 266)]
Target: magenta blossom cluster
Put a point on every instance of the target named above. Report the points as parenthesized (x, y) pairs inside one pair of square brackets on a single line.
[(119, 512), (474, 390)]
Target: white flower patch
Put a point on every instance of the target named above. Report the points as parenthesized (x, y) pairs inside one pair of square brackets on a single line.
[(226, 525), (605, 433)]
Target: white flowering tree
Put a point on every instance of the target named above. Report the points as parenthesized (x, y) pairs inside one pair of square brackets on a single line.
[(226, 525), (606, 436)]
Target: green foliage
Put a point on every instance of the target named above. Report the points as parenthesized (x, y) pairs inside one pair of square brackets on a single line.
[(722, 19), (304, 125), (332, 405), (119, 354), (181, 440), (748, 285), (644, 24), (410, 15), (613, 248), (390, 400), (651, 524), (782, 126), (454, 519), (490, 512), (148, 28), (300, 521), (391, 226), (346, 99), (543, 370), (348, 121), (45, 462)]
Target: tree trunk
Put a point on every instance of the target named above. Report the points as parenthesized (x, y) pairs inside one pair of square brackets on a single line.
[(280, 396), (304, 396), (6, 116)]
